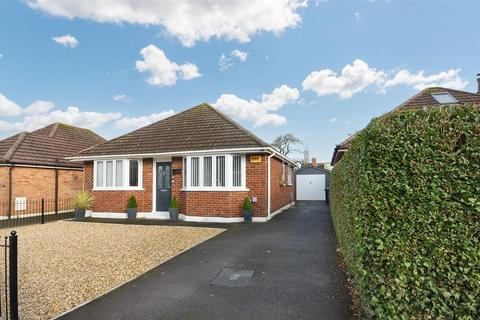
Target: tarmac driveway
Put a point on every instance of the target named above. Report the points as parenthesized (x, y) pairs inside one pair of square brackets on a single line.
[(295, 276)]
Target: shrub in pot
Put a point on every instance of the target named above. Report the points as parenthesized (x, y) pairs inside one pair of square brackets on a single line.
[(82, 201), (173, 209), (132, 208), (247, 210)]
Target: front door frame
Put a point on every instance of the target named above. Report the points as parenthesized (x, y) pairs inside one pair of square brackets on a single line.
[(154, 181)]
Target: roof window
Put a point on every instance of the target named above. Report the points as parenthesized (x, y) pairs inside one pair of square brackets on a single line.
[(444, 98)]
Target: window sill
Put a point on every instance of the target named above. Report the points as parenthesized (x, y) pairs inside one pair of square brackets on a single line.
[(215, 189), (119, 189)]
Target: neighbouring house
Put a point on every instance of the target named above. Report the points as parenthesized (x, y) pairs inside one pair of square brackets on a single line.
[(429, 97), (33, 165), (200, 156)]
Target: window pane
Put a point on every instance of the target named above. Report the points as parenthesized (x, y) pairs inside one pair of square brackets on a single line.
[(237, 171), (119, 173), (133, 173), (195, 172), (109, 177), (221, 171), (99, 174), (289, 175), (207, 171)]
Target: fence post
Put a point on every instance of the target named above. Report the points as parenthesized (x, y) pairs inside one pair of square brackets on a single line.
[(13, 275), (43, 211)]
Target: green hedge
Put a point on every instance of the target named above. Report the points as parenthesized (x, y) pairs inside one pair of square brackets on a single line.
[(405, 202)]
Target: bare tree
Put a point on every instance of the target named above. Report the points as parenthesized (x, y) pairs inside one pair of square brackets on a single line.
[(286, 143)]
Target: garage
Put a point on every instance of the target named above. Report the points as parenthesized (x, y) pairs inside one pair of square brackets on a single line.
[(311, 183)]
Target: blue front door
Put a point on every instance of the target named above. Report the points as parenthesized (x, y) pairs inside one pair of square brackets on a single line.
[(164, 187)]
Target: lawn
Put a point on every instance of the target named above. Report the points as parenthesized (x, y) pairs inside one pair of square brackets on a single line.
[(64, 264)]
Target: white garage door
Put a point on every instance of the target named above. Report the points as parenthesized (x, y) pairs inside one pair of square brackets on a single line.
[(311, 187)]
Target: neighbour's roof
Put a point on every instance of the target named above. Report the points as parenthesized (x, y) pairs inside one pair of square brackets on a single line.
[(48, 146), (199, 128), (425, 98), (311, 169)]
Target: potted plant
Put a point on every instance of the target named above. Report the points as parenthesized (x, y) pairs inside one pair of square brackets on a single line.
[(247, 210), (132, 208), (173, 209), (82, 201)]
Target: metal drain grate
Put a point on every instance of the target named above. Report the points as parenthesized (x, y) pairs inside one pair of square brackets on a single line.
[(230, 277)]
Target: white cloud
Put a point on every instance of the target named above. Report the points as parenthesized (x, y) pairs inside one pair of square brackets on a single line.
[(242, 56), (449, 79), (39, 107), (133, 123), (359, 76), (8, 107), (164, 72), (225, 62), (66, 40), (333, 120), (260, 112), (189, 21), (72, 115), (122, 97), (355, 78)]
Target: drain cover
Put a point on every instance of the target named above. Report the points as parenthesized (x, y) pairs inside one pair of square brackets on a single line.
[(230, 277)]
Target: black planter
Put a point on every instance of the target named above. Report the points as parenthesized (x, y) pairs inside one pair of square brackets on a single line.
[(132, 213), (247, 215), (173, 212), (80, 213)]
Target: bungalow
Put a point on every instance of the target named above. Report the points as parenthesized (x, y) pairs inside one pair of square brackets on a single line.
[(200, 156), (429, 97), (33, 165)]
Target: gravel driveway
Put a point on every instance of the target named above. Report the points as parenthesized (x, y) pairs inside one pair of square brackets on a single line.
[(64, 264)]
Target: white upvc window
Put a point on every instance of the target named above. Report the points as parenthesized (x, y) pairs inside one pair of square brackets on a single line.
[(289, 177), (283, 171), (117, 174), (223, 172)]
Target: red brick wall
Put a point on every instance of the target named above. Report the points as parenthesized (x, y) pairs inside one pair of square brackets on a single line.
[(201, 203), (219, 203), (38, 183), (280, 195), (115, 200)]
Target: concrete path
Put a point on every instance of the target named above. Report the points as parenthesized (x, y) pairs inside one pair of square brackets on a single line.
[(296, 276)]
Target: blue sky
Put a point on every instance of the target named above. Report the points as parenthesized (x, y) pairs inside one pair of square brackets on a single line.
[(281, 70)]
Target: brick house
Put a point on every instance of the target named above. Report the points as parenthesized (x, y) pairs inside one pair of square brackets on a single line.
[(33, 165), (200, 156)]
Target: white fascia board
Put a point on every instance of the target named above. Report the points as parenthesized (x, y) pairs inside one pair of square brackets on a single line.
[(182, 153), (174, 153)]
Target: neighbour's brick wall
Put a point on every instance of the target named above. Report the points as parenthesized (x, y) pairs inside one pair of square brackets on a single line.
[(281, 195), (116, 200), (37, 183)]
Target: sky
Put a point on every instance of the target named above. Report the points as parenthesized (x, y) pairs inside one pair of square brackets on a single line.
[(317, 69)]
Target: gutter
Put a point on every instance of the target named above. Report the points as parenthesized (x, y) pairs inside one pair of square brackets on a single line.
[(10, 190), (269, 188)]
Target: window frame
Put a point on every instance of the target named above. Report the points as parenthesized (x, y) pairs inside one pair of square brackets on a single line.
[(187, 186), (125, 175), (290, 176)]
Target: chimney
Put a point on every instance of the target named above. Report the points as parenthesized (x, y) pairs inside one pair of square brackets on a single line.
[(478, 82), (314, 162)]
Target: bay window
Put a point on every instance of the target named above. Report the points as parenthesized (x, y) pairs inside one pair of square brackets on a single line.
[(117, 174), (214, 172)]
